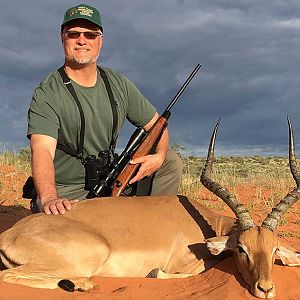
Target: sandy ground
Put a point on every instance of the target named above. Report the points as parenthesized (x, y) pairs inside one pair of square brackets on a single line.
[(220, 282)]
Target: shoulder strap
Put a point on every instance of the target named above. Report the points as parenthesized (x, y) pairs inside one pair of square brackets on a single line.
[(113, 105), (66, 149)]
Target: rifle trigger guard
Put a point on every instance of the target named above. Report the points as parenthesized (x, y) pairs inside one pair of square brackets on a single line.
[(118, 183)]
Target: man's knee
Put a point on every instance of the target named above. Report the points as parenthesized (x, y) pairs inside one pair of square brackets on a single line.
[(167, 179), (173, 164)]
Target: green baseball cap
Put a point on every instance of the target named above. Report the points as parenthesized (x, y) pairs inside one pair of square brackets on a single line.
[(83, 11)]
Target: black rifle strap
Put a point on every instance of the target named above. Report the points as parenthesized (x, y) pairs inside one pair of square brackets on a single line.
[(67, 82), (113, 105), (66, 149)]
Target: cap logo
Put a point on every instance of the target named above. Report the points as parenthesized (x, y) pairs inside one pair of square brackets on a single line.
[(84, 11), (73, 12)]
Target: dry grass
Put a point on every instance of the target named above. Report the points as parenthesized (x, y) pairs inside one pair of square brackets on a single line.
[(19, 161), (269, 177), (14, 169)]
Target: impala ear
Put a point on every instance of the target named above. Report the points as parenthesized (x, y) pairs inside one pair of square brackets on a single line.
[(218, 244), (288, 255)]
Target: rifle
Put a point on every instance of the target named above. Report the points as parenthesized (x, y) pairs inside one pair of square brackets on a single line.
[(140, 144)]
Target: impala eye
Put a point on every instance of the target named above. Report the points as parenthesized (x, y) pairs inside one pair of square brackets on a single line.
[(240, 249)]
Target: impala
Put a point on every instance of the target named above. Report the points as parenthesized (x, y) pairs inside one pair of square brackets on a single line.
[(157, 236)]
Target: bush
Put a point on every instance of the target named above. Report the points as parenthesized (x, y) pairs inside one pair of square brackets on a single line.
[(25, 154)]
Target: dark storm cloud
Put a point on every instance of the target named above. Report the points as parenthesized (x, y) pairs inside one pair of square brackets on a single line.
[(249, 51)]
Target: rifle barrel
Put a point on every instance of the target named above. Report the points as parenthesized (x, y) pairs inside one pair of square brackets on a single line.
[(196, 69)]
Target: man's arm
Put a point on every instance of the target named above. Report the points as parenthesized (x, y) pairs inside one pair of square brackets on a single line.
[(42, 155), (152, 162)]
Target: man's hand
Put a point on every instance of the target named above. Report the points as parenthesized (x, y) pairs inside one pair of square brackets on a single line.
[(149, 165), (57, 206)]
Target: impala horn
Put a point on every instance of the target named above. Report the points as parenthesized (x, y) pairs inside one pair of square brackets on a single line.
[(238, 208), (278, 210)]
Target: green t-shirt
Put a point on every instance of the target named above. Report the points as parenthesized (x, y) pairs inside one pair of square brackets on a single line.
[(53, 112)]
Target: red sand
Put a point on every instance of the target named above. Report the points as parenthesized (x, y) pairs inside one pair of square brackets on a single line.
[(221, 282)]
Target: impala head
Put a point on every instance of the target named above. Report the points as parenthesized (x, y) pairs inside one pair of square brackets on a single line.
[(254, 247)]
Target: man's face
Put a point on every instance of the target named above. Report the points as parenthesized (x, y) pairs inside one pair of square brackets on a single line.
[(81, 49)]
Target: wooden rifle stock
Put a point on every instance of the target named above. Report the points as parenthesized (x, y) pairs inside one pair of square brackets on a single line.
[(153, 135)]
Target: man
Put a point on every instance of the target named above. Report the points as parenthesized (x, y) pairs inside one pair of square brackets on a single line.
[(58, 126)]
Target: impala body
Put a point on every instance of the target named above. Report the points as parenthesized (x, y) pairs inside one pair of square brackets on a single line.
[(111, 237), (158, 236)]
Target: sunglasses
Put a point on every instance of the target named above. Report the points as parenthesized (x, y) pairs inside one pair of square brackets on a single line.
[(89, 35)]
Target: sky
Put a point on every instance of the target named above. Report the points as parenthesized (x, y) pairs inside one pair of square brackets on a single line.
[(249, 52)]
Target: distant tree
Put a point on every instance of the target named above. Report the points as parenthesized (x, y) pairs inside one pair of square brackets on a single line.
[(25, 154), (178, 148)]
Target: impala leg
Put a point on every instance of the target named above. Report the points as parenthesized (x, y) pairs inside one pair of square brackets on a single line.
[(158, 273), (43, 277)]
